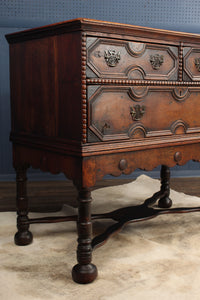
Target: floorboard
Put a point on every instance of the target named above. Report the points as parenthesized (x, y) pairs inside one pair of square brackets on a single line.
[(51, 195)]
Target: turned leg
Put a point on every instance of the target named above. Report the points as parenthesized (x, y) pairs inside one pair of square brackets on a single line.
[(23, 236), (84, 271), (165, 202)]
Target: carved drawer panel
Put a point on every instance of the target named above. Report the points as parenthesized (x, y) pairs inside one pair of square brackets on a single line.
[(131, 60), (119, 113), (191, 64)]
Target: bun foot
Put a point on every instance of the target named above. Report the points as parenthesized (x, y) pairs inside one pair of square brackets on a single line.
[(23, 238), (165, 202), (84, 273)]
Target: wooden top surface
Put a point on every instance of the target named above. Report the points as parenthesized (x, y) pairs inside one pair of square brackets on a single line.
[(100, 26)]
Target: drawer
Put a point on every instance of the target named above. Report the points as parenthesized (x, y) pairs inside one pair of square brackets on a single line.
[(108, 58), (116, 113), (191, 64)]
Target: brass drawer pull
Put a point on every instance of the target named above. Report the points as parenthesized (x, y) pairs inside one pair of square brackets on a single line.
[(197, 63), (104, 128), (112, 57), (156, 61), (137, 112)]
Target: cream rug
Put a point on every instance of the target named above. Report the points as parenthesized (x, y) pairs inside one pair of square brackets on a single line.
[(155, 259)]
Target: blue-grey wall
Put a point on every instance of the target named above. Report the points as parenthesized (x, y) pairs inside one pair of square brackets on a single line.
[(18, 15)]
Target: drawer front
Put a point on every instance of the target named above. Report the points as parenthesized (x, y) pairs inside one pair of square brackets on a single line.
[(131, 60), (116, 113), (191, 64)]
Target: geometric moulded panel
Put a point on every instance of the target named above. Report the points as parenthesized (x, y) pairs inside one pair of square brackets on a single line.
[(192, 64), (108, 58), (142, 116)]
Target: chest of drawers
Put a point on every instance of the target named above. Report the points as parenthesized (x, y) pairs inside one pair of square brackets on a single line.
[(90, 98)]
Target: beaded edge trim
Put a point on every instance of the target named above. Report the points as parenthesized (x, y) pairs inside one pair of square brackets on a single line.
[(83, 88)]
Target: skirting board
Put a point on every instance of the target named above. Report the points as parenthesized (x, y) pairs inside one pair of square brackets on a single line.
[(39, 176)]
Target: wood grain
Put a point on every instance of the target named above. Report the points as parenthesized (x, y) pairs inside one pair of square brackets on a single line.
[(63, 123)]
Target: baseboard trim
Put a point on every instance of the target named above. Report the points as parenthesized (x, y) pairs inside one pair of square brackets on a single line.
[(154, 174)]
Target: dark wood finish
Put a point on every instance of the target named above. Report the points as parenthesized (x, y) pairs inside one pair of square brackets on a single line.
[(165, 202), (134, 214), (23, 236), (131, 54), (84, 271), (91, 98), (157, 120)]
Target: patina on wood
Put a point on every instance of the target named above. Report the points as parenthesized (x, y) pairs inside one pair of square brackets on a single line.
[(90, 98)]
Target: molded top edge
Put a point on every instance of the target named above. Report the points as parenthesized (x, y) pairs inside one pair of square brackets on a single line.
[(101, 26)]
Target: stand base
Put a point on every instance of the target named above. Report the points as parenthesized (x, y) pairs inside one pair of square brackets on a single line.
[(88, 273), (121, 217)]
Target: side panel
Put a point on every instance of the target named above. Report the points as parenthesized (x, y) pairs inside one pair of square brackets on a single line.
[(45, 86)]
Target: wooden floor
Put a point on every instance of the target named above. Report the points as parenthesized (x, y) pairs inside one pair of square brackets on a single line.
[(51, 195)]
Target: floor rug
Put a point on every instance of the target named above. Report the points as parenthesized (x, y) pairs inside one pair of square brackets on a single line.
[(155, 259)]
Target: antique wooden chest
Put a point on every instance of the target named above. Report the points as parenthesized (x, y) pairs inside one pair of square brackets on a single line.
[(91, 98)]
